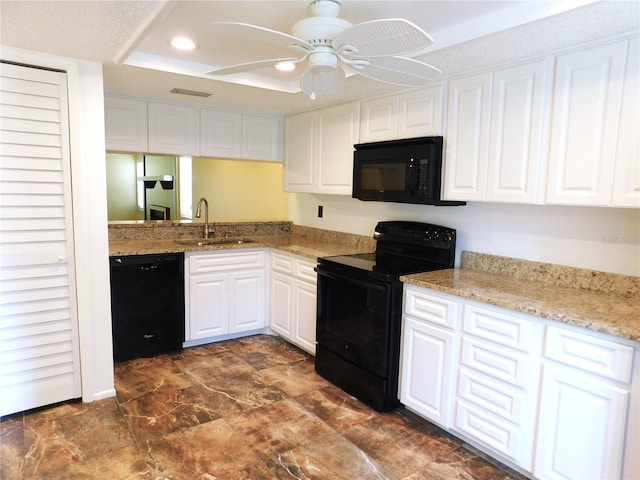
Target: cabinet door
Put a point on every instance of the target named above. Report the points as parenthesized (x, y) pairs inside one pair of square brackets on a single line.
[(281, 304), (247, 307), (467, 138), (516, 151), (304, 315), (261, 138), (426, 378), (337, 133), (299, 153), (626, 184), (208, 306), (220, 134), (584, 125), (172, 129), (581, 426), (379, 119), (420, 113), (125, 124)]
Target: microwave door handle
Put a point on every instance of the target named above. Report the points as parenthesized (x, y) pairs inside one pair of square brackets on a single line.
[(412, 178)]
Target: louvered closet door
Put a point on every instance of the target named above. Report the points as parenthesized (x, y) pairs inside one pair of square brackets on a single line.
[(39, 360)]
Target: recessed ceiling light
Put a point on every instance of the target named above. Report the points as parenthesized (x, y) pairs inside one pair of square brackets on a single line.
[(183, 43), (285, 66)]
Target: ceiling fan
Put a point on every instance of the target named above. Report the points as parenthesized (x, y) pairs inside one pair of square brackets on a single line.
[(330, 45)]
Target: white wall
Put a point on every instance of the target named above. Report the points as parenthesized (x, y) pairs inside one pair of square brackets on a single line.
[(86, 118), (606, 239)]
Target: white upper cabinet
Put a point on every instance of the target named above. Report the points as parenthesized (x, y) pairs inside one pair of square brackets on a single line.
[(172, 129), (319, 150), (626, 182), (467, 138), (584, 125), (136, 125), (561, 130), (125, 124), (337, 132), (261, 137), (379, 119), (299, 150), (236, 135), (519, 102), (407, 115), (220, 134), (494, 141)]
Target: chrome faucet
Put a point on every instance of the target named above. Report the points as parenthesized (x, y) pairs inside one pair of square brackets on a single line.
[(206, 215)]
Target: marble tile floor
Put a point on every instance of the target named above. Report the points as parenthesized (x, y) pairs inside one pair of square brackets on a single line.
[(251, 408)]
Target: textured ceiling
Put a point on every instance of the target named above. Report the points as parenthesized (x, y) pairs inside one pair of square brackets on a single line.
[(484, 34)]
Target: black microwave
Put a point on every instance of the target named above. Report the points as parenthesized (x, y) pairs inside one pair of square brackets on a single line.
[(402, 171)]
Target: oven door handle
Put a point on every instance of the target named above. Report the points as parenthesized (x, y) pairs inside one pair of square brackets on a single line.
[(353, 281)]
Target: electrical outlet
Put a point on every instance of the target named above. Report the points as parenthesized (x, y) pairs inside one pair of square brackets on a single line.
[(320, 208)]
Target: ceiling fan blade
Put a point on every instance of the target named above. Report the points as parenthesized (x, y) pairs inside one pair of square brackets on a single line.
[(401, 71), (245, 67), (381, 38), (262, 34), (315, 83)]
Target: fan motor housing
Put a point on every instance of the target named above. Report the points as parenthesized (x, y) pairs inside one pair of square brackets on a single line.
[(323, 61), (319, 30)]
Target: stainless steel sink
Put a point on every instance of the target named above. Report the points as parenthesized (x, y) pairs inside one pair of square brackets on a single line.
[(213, 241)]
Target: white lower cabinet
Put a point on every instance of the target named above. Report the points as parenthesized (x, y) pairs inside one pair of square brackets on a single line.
[(225, 293), (548, 399), (429, 342), (583, 406), (497, 382), (292, 303)]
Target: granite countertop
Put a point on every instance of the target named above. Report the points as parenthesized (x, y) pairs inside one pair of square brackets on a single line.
[(605, 312), (149, 238), (598, 301), (300, 246)]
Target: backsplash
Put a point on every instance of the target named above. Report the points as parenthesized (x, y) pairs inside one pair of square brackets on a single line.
[(159, 230), (624, 285), (360, 243)]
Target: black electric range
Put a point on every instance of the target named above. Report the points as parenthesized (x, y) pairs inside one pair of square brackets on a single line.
[(359, 309)]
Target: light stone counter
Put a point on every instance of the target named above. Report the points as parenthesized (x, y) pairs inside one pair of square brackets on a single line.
[(163, 237), (598, 301)]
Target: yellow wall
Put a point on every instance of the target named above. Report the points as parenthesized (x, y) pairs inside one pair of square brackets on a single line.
[(240, 190)]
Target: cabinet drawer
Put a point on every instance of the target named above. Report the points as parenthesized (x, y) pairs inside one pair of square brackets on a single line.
[(201, 263), (497, 434), (305, 271), (433, 309), (496, 397), (589, 353), (282, 264), (501, 363), (501, 328)]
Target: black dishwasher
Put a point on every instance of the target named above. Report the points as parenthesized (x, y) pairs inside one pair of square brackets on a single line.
[(147, 304)]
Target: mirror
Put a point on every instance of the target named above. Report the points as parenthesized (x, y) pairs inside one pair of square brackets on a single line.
[(237, 190), (144, 187)]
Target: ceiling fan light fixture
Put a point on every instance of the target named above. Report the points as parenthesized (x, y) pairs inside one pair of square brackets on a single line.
[(314, 83)]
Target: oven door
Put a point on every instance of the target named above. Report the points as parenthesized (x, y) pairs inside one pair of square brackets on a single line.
[(354, 319)]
